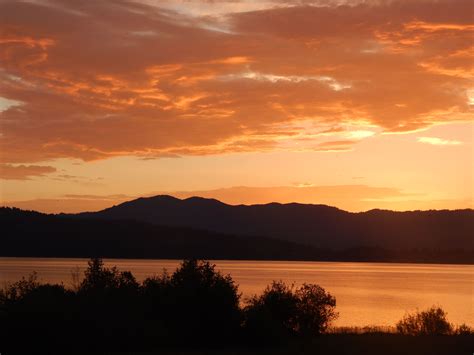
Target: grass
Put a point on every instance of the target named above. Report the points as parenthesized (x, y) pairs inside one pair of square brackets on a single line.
[(369, 329)]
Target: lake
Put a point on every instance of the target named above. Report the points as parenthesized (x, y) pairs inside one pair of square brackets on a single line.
[(366, 293)]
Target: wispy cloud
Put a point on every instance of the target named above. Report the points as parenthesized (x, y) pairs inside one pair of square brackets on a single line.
[(24, 172), (438, 141)]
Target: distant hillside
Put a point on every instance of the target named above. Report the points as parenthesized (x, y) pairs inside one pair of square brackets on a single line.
[(27, 233), (317, 225)]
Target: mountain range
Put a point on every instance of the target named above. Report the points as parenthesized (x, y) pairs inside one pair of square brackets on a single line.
[(167, 227), (317, 225)]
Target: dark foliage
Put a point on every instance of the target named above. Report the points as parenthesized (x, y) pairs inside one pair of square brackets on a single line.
[(204, 299), (282, 311), (316, 309), (31, 313), (429, 322), (195, 306), (273, 314)]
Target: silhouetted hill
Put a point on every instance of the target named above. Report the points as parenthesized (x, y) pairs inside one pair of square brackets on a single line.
[(318, 225), (29, 233)]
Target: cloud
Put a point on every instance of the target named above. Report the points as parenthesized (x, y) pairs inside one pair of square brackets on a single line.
[(94, 80), (335, 146), (438, 141), (120, 197), (5, 104), (24, 172)]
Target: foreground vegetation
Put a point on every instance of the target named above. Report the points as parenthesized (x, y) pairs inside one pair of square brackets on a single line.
[(194, 308)]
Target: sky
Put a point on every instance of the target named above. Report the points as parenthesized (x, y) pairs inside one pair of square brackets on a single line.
[(355, 104)]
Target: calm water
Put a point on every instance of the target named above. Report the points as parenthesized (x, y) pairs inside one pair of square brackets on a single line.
[(366, 293)]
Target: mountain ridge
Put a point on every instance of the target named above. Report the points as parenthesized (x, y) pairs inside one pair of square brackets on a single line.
[(312, 224), (197, 198), (34, 234)]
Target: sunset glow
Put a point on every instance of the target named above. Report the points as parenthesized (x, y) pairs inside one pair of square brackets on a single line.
[(355, 104)]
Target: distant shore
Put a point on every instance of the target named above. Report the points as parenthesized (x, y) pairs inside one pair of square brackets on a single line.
[(178, 258), (32, 234)]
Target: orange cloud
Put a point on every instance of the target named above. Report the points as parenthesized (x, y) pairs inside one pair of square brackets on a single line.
[(335, 146), (24, 172), (103, 79)]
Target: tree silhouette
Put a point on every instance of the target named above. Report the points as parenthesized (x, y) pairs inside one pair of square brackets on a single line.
[(272, 314), (204, 299), (99, 278), (316, 309), (283, 311), (429, 322)]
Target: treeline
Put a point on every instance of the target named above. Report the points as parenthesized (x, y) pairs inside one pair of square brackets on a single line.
[(33, 234), (196, 306)]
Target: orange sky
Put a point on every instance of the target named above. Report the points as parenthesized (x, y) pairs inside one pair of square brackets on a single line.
[(357, 104)]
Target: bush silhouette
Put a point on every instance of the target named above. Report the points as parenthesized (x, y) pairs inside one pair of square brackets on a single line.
[(282, 311), (33, 311), (272, 314), (109, 307), (203, 299), (429, 322), (316, 309), (195, 303), (194, 306), (19, 289), (158, 303), (464, 329), (99, 278)]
